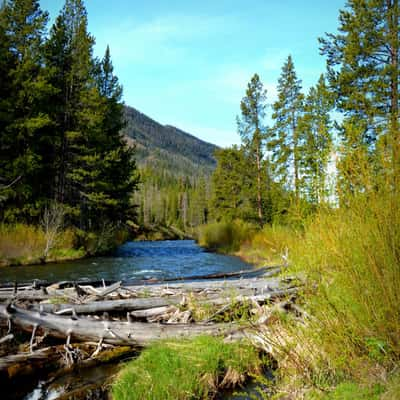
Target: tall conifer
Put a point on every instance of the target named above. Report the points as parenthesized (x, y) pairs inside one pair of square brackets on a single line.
[(287, 143)]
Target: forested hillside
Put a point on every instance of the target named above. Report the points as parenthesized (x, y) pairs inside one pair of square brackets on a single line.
[(165, 146), (175, 168)]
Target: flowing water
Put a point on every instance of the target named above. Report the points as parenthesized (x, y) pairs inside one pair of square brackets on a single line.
[(132, 261)]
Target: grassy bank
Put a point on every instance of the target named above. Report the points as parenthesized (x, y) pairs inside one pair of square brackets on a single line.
[(349, 258), (187, 369), (267, 246), (27, 244)]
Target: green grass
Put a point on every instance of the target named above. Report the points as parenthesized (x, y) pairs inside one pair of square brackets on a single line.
[(269, 245), (350, 391), (22, 244), (186, 369)]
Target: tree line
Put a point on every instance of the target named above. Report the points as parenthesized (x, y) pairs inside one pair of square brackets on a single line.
[(306, 158), (61, 116), (169, 199)]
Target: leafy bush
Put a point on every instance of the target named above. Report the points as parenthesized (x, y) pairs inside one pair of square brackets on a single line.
[(225, 236), (270, 245)]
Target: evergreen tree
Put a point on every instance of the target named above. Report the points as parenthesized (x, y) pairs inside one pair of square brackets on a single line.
[(287, 142), (316, 125), (252, 132), (95, 170), (76, 105), (232, 185), (22, 119), (363, 67)]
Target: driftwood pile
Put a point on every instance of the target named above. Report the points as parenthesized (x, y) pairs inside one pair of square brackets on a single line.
[(113, 314)]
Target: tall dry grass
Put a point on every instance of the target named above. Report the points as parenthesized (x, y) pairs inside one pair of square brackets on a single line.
[(26, 244), (350, 258)]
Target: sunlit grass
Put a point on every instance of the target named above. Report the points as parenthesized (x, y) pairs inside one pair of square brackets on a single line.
[(25, 244), (225, 236), (186, 369)]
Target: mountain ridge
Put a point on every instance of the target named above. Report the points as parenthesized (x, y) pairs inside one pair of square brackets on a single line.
[(166, 146)]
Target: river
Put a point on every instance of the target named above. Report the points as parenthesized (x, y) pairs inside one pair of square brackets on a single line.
[(133, 261)]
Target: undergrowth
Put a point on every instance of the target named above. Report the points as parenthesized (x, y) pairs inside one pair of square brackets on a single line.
[(348, 259), (186, 369)]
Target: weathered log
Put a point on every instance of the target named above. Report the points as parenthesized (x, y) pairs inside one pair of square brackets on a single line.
[(251, 273), (146, 303), (37, 358), (119, 333), (256, 284), (111, 305), (152, 312)]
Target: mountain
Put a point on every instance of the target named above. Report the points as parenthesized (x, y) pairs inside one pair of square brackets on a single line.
[(167, 147)]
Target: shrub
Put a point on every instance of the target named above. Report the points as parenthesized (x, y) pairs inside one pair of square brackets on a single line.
[(351, 259), (225, 236)]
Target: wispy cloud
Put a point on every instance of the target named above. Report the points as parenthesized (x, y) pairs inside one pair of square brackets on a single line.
[(165, 38)]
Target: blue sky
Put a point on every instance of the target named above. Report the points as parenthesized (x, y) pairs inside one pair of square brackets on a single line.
[(187, 63)]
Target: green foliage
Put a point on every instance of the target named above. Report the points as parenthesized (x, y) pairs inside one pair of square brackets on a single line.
[(184, 369), (225, 236), (287, 144), (168, 199), (252, 132), (350, 257), (26, 244), (232, 186), (363, 71), (350, 391), (61, 119), (317, 131)]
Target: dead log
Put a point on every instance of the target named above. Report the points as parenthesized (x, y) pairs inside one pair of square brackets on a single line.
[(111, 305), (251, 273), (152, 312), (119, 333), (146, 303)]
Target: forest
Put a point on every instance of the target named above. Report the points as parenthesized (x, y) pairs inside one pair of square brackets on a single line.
[(313, 188), (66, 171)]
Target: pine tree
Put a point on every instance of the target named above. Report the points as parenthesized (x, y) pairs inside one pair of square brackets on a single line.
[(23, 121), (78, 110), (232, 185), (287, 143), (317, 127), (363, 67), (252, 132)]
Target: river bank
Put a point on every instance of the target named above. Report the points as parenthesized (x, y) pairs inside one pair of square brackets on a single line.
[(189, 303), (24, 245), (347, 348)]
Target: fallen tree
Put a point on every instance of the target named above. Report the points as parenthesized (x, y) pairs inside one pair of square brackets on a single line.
[(113, 332)]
